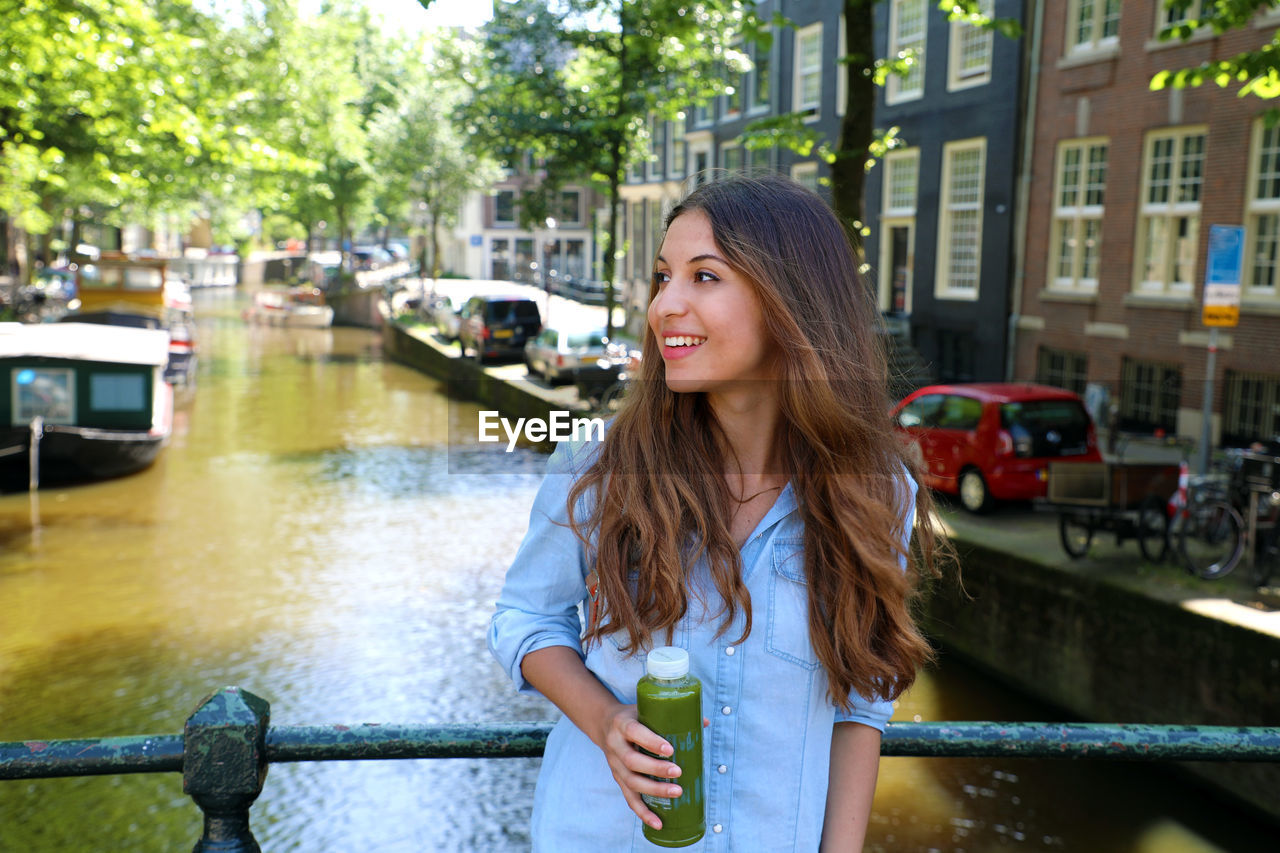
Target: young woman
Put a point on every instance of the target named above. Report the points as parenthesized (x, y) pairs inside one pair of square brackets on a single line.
[(750, 504)]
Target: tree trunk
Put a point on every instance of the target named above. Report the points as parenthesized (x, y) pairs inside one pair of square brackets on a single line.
[(435, 247), (611, 236), (849, 171)]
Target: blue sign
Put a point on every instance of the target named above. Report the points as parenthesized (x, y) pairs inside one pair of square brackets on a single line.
[(477, 240), (1226, 254)]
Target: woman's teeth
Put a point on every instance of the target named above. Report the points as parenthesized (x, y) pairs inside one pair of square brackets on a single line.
[(683, 341)]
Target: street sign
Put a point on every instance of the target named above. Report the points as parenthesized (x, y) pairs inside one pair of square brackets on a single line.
[(1222, 275)]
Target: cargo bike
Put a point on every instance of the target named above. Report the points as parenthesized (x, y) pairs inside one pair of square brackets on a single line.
[(1127, 499)]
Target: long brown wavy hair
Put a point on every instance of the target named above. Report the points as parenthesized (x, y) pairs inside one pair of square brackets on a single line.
[(659, 497)]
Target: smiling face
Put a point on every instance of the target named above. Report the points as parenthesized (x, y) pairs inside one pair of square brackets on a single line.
[(705, 315)]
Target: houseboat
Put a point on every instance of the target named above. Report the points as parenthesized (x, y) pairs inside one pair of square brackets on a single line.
[(89, 400)]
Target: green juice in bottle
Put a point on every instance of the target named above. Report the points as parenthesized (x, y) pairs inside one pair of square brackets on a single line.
[(669, 701)]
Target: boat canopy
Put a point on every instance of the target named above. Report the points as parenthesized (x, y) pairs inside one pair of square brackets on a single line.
[(85, 341)]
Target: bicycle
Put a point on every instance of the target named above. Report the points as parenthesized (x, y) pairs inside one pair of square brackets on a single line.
[(1208, 531), (1255, 489)]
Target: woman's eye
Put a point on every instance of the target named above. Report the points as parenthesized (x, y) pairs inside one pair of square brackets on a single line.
[(703, 275), (661, 278)]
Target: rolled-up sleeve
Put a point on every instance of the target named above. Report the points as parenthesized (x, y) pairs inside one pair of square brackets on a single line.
[(865, 711), (538, 606)]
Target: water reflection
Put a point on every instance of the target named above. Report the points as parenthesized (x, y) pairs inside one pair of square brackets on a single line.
[(307, 536)]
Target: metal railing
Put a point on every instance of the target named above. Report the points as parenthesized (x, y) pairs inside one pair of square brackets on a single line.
[(227, 744)]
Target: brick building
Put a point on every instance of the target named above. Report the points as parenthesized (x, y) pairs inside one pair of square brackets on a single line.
[(1125, 183)]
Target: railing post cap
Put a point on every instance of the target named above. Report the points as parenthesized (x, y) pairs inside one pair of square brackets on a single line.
[(224, 745)]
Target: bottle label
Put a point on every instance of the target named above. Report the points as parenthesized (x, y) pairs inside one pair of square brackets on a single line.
[(653, 800)]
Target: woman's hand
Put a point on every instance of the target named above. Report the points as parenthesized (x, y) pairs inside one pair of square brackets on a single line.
[(622, 738)]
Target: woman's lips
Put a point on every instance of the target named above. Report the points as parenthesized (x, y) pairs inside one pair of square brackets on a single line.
[(681, 346)]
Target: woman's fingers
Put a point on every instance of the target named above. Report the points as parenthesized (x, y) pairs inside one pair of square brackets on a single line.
[(641, 765)]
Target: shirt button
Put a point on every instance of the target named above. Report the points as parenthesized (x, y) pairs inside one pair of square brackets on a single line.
[(726, 710), (723, 768), (717, 828), (730, 650)]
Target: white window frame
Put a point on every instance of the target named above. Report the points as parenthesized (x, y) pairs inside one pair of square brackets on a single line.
[(910, 88), (738, 81), (894, 216), (807, 66), (964, 34), (754, 105), (1093, 41), (1258, 210), (842, 69), (725, 149), (1170, 213), (677, 149), (1077, 214), (1163, 19), (515, 205), (653, 167), (805, 174), (949, 209)]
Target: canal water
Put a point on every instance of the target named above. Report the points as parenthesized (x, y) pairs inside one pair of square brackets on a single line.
[(303, 537)]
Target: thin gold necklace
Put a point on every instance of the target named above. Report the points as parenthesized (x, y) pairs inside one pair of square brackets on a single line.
[(756, 495)]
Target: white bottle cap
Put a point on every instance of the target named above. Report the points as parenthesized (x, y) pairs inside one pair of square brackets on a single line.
[(667, 662)]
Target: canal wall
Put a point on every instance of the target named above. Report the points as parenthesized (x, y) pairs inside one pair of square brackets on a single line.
[(466, 379), (1105, 648), (1092, 642)]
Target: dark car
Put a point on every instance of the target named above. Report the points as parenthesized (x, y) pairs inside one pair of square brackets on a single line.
[(497, 326), (987, 441)]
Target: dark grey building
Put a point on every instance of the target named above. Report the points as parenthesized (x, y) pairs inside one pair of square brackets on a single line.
[(940, 207)]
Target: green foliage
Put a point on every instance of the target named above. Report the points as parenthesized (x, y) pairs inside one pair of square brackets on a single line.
[(571, 85), (1255, 72)]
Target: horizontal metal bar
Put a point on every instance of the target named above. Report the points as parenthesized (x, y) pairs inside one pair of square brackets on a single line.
[(47, 759), (1125, 742)]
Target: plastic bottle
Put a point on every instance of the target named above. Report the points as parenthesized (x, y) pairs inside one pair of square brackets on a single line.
[(669, 701)]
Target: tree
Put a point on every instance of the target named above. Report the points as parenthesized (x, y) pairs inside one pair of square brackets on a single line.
[(1256, 71), (859, 142), (572, 83), (424, 160)]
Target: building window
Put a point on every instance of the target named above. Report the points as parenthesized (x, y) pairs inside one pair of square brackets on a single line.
[(760, 161), (956, 362), (702, 115), (1169, 220), (969, 63), (960, 231), (639, 259), (500, 259), (504, 208), (736, 93), (1166, 17), (1077, 214), (1251, 407), (901, 175), (731, 158), (1093, 25), (907, 19), (1149, 396), (898, 222), (1262, 228), (657, 146), (808, 72), (1062, 369), (676, 162), (806, 175), (701, 157), (759, 84), (569, 212)]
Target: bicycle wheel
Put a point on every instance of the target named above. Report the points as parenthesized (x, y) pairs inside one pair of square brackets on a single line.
[(1211, 540), (1076, 533), (1153, 529)]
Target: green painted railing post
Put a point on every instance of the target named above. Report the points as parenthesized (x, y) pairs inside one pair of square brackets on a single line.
[(224, 764)]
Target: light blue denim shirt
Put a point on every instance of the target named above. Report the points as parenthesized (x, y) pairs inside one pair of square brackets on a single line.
[(767, 751)]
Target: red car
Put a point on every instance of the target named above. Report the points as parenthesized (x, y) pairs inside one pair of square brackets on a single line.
[(987, 441)]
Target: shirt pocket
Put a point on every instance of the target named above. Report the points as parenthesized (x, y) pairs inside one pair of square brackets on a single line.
[(788, 632)]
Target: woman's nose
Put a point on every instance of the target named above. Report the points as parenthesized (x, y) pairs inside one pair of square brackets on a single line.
[(670, 301)]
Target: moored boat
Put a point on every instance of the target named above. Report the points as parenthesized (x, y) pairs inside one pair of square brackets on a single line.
[(89, 399), (298, 307)]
